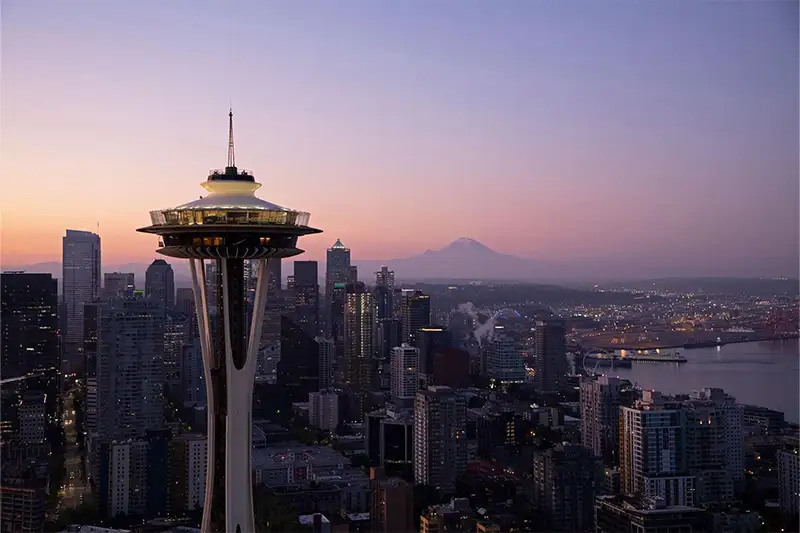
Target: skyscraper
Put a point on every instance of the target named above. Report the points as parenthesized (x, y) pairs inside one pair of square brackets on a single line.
[(80, 280), (306, 296), (228, 226), (358, 337), (159, 283), (504, 364), (385, 277), (413, 307), (405, 372), (440, 440), (118, 284), (430, 340), (550, 355), (130, 368), (337, 268), (29, 323), (653, 460), (600, 400), (327, 361)]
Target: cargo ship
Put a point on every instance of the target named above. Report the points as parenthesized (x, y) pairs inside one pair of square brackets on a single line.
[(668, 357), (607, 360)]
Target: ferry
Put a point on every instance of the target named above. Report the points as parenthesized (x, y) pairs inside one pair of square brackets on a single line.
[(607, 360), (660, 357)]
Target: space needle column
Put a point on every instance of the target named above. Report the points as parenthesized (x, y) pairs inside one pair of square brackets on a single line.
[(230, 225)]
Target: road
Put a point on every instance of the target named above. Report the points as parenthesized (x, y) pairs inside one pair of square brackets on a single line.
[(76, 489)]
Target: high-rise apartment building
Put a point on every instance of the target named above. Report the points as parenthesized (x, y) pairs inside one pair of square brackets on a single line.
[(327, 362), (177, 328), (384, 292), (788, 459), (392, 504), (323, 410), (29, 323), (413, 308), (359, 320), (159, 283), (504, 364), (566, 480), (550, 355), (188, 457), (405, 372), (80, 279), (130, 368), (733, 432), (385, 277), (306, 296), (653, 451), (440, 443), (118, 284), (600, 400)]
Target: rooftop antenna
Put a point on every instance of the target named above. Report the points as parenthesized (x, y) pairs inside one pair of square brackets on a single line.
[(231, 156)]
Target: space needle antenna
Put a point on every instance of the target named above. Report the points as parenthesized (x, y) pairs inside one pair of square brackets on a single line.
[(231, 155)]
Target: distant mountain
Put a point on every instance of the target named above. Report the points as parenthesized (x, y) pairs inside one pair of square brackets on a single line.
[(464, 258)]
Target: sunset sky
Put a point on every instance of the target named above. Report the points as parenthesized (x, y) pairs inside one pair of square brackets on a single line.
[(635, 131)]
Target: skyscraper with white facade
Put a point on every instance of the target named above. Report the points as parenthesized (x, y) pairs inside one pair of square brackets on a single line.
[(405, 372), (440, 441)]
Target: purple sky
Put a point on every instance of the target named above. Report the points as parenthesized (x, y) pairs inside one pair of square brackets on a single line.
[(635, 132)]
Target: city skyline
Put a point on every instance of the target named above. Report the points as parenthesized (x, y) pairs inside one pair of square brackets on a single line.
[(596, 142)]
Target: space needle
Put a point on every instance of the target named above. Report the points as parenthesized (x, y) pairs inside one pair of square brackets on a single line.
[(229, 226)]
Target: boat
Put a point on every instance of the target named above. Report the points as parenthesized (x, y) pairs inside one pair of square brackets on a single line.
[(703, 344), (669, 357), (606, 360)]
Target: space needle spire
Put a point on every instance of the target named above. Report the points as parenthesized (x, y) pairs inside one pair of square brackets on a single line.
[(231, 154)]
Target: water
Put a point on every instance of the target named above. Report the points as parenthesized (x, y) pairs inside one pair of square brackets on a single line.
[(757, 373)]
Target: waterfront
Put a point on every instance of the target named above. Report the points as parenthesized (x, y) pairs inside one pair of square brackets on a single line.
[(760, 373)]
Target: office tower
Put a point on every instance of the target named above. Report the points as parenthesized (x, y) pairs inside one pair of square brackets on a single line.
[(29, 316), (271, 328), (130, 368), (118, 285), (327, 361), (32, 418), (653, 458), (306, 296), (184, 301), (228, 226), (176, 335), (337, 268), (600, 400), (193, 377), (392, 504), (430, 340), (550, 356), (388, 337), (440, 442), (159, 283), (335, 305), (413, 307), (405, 374), (323, 410), (358, 337), (389, 436), (187, 472), (450, 368), (566, 480), (80, 280), (298, 368), (385, 277), (353, 276), (789, 477), (504, 364), (212, 283)]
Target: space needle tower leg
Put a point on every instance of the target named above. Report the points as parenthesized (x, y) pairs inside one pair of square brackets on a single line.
[(240, 362)]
